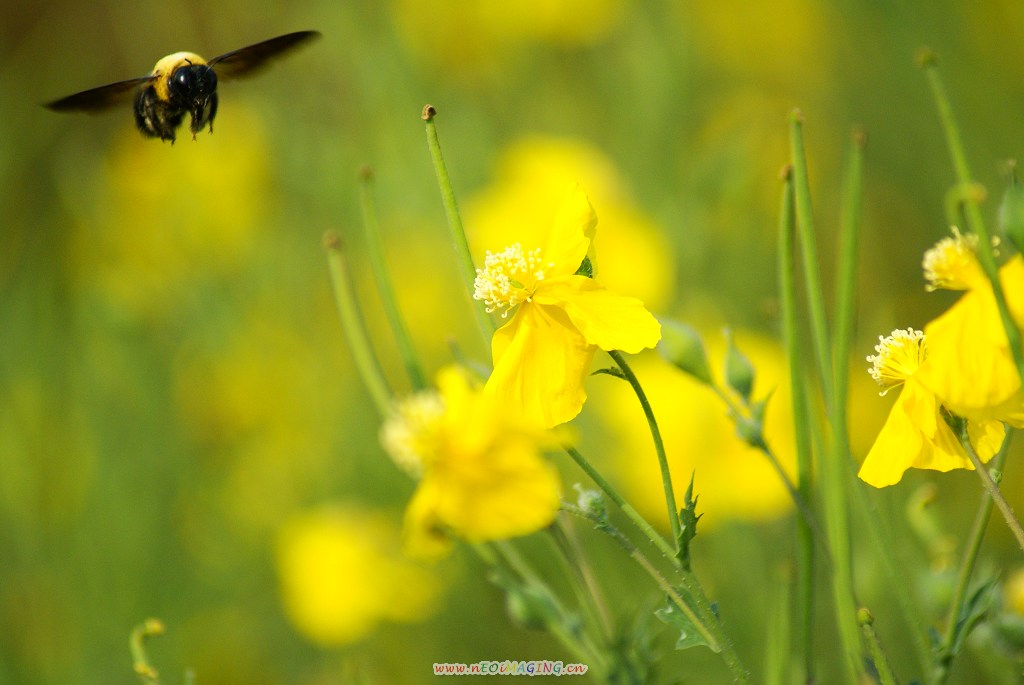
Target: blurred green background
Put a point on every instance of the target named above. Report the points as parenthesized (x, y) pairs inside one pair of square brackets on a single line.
[(182, 433)]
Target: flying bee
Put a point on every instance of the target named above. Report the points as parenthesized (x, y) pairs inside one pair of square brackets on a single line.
[(181, 83)]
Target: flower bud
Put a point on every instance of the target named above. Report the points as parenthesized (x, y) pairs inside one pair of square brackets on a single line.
[(681, 345), (1011, 214), (739, 372)]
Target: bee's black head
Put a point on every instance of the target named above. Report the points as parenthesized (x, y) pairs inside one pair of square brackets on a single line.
[(191, 86)]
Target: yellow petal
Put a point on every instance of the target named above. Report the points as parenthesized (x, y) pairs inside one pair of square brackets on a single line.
[(540, 363), (986, 437), (914, 436), (610, 321), (570, 235), (969, 365)]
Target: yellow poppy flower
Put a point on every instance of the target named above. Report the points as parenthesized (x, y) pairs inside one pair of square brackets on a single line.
[(970, 366), (481, 474), (542, 355), (916, 434)]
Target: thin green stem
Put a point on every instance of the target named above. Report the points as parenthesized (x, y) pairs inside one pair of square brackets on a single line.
[(836, 463), (804, 459), (352, 325), (878, 655), (458, 233), (571, 637), (703, 619), (994, 492), (846, 275), (632, 514), (659, 445), (375, 251), (944, 654), (971, 207), (585, 585)]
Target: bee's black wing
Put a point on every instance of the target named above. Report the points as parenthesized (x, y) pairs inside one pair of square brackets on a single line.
[(247, 60), (96, 99)]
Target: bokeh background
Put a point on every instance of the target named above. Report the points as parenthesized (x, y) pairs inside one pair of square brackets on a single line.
[(182, 432)]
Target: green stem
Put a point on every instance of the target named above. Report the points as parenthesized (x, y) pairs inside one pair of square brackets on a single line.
[(585, 585), (804, 460), (972, 209), (836, 463), (632, 514), (659, 445), (458, 233), (878, 655), (944, 654), (580, 644), (352, 325), (994, 492), (375, 251), (700, 615), (846, 276)]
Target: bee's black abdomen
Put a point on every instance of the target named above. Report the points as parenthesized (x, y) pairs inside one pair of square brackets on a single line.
[(155, 117)]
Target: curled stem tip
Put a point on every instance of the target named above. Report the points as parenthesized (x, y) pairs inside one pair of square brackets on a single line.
[(366, 173), (796, 116), (786, 172), (332, 241), (429, 112), (860, 137), (926, 57)]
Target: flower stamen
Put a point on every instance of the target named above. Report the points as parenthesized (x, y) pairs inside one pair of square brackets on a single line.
[(952, 263), (899, 356), (508, 278), (411, 434)]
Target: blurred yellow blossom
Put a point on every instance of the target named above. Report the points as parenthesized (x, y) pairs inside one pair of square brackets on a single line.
[(481, 474), (734, 480), (1013, 592), (530, 179), (342, 574), (916, 434), (165, 218), (970, 366), (470, 37), (542, 356)]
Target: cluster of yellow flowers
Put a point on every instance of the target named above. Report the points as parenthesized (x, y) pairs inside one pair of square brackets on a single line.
[(961, 366), (477, 447)]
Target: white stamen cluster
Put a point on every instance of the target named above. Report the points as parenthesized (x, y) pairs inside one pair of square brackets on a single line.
[(899, 356), (410, 434), (508, 278)]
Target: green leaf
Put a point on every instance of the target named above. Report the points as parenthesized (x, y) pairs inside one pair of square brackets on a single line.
[(973, 612), (688, 518), (1011, 213), (674, 617), (586, 268), (611, 371)]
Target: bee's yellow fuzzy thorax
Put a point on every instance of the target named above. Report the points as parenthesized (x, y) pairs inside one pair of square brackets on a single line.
[(166, 66)]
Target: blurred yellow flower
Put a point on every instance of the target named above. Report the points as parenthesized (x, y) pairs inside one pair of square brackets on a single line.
[(165, 218), (970, 366), (530, 178), (481, 474), (342, 574), (542, 356), (734, 480), (1013, 592), (916, 434)]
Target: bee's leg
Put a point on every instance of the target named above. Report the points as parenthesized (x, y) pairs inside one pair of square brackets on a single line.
[(213, 110)]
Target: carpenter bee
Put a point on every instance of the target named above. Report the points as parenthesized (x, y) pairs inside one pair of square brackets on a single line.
[(181, 83)]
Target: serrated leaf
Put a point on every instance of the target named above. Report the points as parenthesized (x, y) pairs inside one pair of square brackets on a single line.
[(688, 518), (674, 617)]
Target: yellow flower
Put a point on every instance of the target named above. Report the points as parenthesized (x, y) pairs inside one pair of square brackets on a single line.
[(916, 434), (970, 366), (542, 356), (482, 476), (342, 574)]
